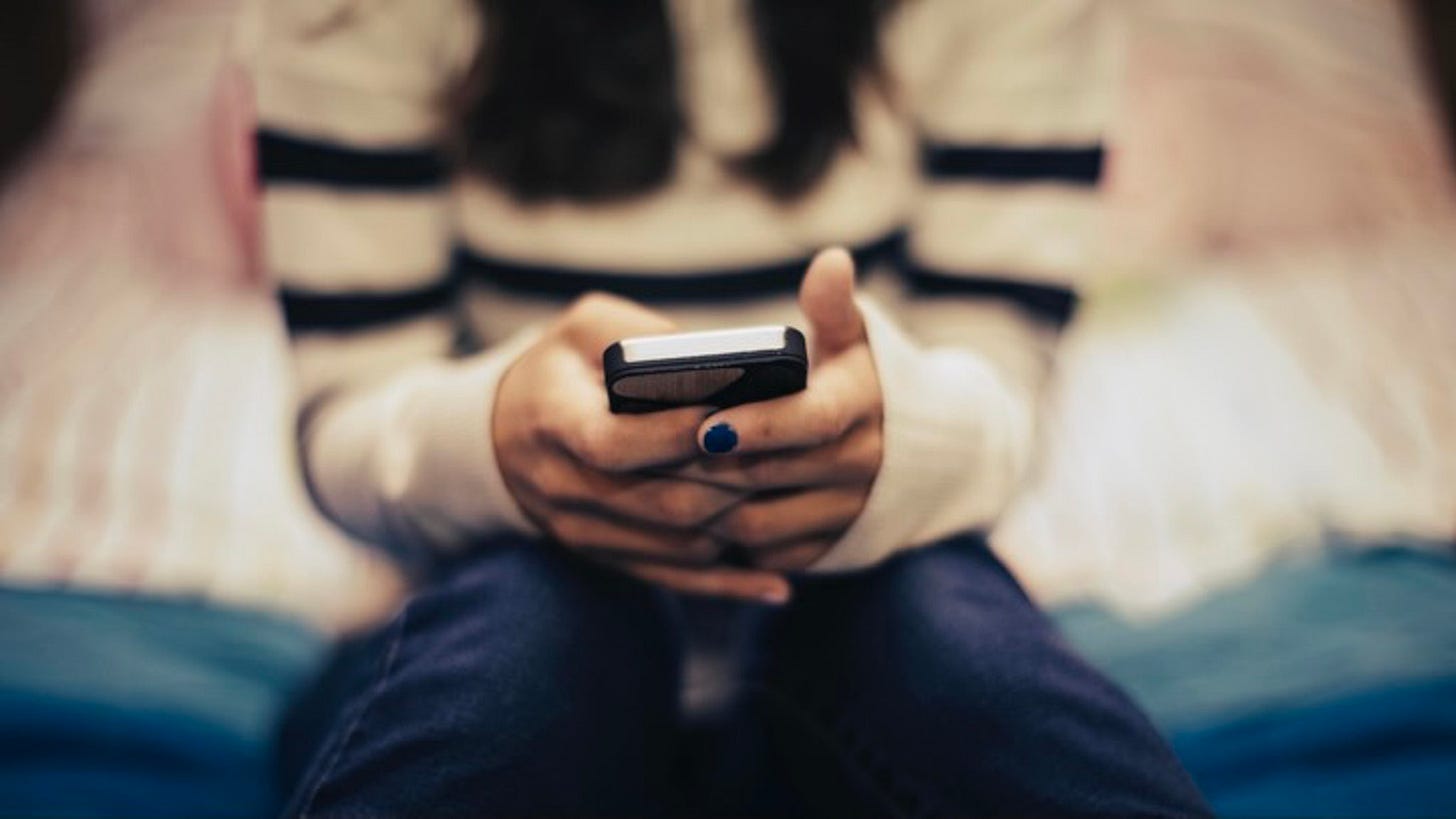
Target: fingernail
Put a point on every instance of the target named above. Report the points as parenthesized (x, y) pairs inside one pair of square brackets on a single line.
[(775, 597), (720, 438)]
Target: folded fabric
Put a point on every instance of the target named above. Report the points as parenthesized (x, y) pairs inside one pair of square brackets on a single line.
[(1324, 687), (132, 706), (1389, 751), (1303, 631)]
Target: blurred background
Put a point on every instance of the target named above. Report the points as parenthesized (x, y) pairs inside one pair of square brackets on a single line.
[(1245, 509)]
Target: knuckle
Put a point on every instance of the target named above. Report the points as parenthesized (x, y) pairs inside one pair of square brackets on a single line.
[(785, 561), (764, 471), (537, 474), (722, 500), (567, 529), (589, 452), (826, 420), (792, 559), (727, 473), (589, 303), (874, 453), (742, 479), (765, 427), (688, 505), (593, 447), (746, 526), (694, 552), (546, 428), (775, 562), (554, 481), (703, 550), (860, 453), (676, 504)]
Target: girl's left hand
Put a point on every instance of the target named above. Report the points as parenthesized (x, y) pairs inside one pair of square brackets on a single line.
[(808, 459)]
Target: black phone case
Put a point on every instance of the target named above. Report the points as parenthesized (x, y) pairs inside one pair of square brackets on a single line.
[(766, 374)]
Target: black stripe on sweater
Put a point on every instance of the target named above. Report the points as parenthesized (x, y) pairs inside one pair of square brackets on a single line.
[(752, 281), (308, 311), (286, 158), (1050, 303), (1073, 165)]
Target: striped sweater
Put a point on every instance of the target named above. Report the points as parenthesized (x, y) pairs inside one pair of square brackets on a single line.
[(970, 200)]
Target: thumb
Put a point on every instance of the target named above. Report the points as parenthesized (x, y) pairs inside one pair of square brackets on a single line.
[(827, 298)]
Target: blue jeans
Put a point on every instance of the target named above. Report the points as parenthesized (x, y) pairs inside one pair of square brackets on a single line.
[(526, 681)]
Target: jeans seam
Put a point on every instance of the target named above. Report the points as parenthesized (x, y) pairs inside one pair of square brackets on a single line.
[(829, 738), (385, 671)]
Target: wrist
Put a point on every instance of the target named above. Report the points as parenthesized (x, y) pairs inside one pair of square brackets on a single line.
[(956, 439)]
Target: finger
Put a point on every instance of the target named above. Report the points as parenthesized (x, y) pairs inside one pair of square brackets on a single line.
[(595, 320), (579, 421), (826, 296), (660, 502), (795, 516), (794, 557), (580, 531), (630, 443), (742, 584), (839, 395), (853, 458)]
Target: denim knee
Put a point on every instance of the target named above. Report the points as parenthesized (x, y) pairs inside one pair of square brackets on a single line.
[(944, 612), (941, 678), (544, 625), (524, 680)]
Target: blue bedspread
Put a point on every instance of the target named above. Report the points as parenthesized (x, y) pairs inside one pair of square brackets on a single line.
[(115, 706), (1322, 688)]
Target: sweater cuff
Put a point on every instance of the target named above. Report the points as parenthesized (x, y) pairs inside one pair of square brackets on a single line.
[(413, 464), (956, 442)]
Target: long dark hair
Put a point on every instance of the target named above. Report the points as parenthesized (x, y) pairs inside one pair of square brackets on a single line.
[(578, 99), (39, 41), (1436, 29)]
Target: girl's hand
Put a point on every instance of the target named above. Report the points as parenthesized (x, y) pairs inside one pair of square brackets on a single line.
[(576, 469), (807, 460)]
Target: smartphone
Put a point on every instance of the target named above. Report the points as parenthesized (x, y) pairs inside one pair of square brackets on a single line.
[(717, 368)]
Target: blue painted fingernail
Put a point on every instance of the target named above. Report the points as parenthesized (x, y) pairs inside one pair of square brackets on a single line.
[(720, 438)]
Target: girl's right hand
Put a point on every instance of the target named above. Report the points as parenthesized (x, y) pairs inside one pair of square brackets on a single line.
[(575, 467)]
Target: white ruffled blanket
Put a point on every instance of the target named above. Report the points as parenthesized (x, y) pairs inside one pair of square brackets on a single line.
[(146, 420), (1272, 355)]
